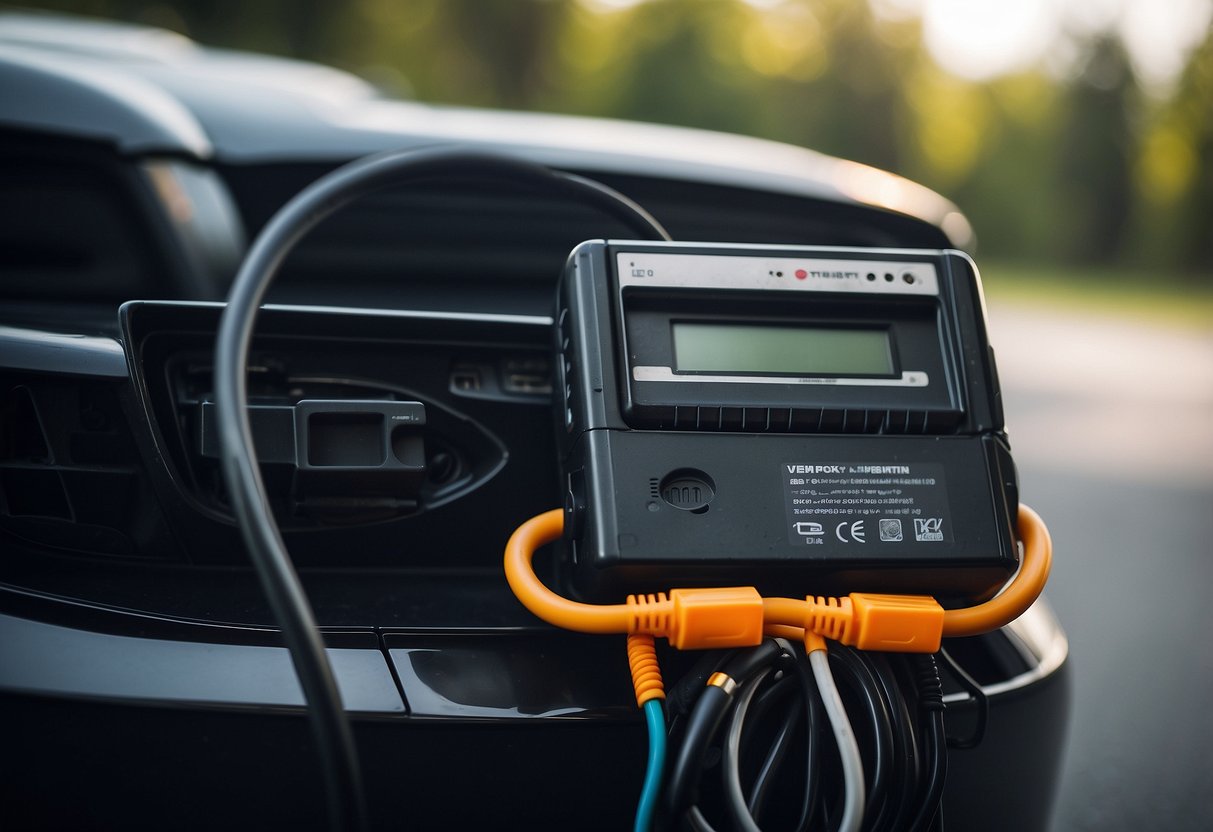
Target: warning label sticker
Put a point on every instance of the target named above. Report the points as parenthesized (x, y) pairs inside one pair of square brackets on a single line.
[(861, 504)]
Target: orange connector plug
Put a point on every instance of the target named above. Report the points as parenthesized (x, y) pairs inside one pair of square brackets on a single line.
[(690, 618), (700, 619), (895, 623)]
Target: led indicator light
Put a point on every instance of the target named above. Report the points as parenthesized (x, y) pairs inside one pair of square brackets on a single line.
[(801, 274)]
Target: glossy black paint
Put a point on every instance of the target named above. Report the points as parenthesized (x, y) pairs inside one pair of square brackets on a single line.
[(142, 682)]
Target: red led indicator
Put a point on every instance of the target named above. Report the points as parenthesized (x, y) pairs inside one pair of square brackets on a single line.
[(801, 274)]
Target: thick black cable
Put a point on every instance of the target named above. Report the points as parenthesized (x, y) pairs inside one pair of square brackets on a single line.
[(680, 698), (701, 725), (975, 690), (704, 721), (773, 695), (904, 781), (935, 751), (249, 500), (872, 705), (813, 717), (770, 764), (611, 202), (697, 821), (934, 741), (746, 663), (807, 708)]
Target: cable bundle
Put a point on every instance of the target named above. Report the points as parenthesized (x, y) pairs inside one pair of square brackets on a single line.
[(887, 772), (762, 734)]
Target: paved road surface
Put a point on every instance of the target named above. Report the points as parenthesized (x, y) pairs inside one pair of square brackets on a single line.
[(1111, 421)]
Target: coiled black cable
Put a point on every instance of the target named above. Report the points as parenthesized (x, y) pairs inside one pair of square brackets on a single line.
[(934, 740), (774, 698), (872, 704), (980, 699), (704, 721), (904, 760), (771, 763), (897, 708), (813, 718)]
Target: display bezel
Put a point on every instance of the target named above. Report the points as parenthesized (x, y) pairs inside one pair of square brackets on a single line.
[(650, 289)]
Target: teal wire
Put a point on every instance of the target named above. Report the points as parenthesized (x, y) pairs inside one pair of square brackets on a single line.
[(655, 717)]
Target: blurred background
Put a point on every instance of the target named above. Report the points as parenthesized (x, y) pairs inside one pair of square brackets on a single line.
[(1076, 135)]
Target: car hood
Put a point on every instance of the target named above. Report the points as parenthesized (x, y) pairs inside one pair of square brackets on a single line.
[(152, 92)]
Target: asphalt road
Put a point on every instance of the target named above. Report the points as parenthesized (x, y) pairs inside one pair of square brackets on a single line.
[(1111, 423)]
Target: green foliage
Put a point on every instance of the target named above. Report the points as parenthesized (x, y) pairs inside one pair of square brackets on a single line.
[(1130, 294)]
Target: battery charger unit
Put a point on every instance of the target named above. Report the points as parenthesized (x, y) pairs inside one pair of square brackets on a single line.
[(792, 418)]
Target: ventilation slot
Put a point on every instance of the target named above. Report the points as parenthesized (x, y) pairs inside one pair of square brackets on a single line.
[(67, 474)]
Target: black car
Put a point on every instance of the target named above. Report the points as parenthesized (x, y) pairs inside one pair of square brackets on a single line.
[(143, 679)]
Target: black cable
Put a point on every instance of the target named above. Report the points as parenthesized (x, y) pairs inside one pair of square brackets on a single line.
[(611, 202), (766, 719), (776, 752), (705, 719), (872, 705), (807, 708), (904, 780), (934, 741), (759, 719), (746, 663), (697, 821), (935, 751), (813, 706), (732, 790), (982, 702), (680, 698), (701, 725), (241, 473)]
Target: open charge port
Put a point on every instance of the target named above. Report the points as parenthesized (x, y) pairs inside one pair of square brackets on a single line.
[(345, 439), (336, 455)]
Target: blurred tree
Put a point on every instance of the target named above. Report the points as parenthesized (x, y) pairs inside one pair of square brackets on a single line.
[(1195, 98), (856, 108), (488, 52), (1174, 173), (1093, 179), (680, 66), (1009, 190)]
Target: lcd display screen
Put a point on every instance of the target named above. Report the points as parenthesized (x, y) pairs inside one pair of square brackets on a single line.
[(781, 350)]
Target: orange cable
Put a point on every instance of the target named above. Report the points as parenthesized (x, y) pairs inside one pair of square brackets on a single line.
[(1019, 594), (737, 616), (646, 672)]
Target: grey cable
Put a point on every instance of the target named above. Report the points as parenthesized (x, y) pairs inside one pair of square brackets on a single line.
[(697, 821), (732, 754), (249, 499), (848, 748)]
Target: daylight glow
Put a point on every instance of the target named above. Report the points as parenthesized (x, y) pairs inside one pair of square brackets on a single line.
[(1160, 36), (982, 39)]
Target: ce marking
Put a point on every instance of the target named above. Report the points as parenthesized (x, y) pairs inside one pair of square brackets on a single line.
[(855, 529)]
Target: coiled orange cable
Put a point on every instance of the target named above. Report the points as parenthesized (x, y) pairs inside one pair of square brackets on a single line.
[(646, 673)]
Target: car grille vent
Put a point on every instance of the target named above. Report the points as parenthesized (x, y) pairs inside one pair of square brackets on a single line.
[(69, 230), (483, 248), (69, 475)]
